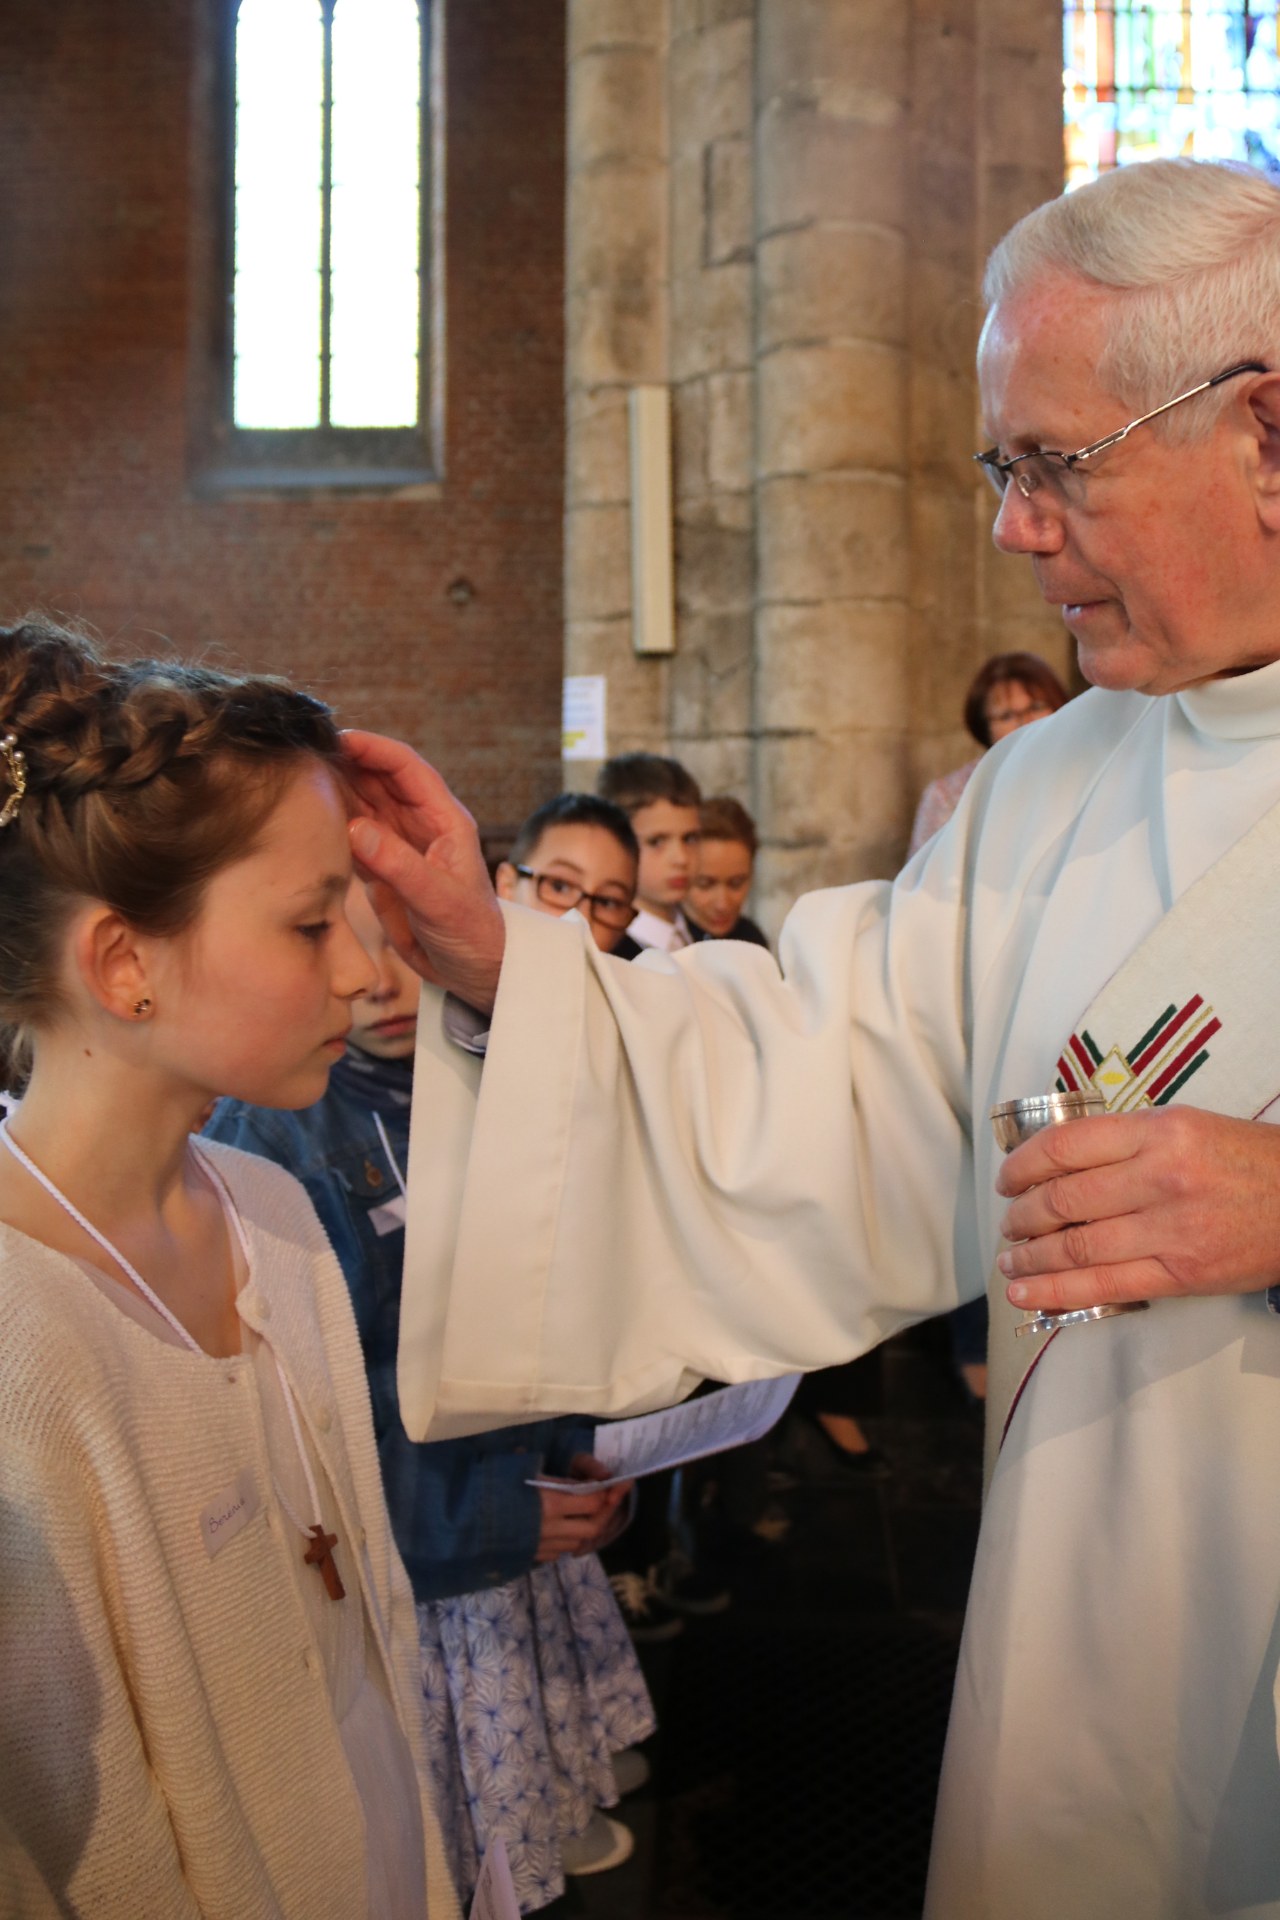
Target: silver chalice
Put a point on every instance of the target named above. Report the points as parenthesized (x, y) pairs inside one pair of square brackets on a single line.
[(1014, 1121)]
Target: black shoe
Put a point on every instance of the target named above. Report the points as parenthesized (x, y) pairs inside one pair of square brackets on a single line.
[(686, 1589), (649, 1619), (807, 1450)]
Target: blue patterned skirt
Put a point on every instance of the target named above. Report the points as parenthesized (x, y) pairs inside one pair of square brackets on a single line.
[(529, 1688)]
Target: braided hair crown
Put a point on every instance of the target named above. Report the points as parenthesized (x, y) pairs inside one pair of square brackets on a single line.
[(143, 779), (87, 724)]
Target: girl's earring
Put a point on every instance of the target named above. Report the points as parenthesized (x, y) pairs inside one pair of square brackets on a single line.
[(141, 1008)]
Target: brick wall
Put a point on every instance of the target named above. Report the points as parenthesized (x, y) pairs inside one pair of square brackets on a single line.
[(104, 207)]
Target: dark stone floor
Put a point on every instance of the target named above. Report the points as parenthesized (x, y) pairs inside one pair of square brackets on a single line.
[(800, 1735)]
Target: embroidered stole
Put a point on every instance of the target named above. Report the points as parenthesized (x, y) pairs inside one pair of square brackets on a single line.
[(1190, 1015)]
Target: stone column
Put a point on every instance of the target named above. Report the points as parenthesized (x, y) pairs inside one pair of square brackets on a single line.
[(617, 337), (1019, 153), (713, 389), (986, 145), (780, 208), (831, 697), (943, 322)]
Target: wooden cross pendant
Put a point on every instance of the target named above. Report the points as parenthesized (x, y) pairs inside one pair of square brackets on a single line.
[(320, 1554)]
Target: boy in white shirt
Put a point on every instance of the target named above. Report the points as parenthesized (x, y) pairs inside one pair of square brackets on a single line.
[(662, 802)]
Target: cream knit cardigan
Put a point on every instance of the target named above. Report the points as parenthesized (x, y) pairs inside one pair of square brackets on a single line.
[(167, 1746)]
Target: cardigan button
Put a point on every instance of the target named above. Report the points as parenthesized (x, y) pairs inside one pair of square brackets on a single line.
[(309, 1660), (324, 1418)]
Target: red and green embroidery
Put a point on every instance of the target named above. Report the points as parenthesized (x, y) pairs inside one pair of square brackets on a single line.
[(1150, 1073)]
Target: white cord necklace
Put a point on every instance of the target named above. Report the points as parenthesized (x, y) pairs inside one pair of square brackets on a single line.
[(320, 1551), (386, 1148)]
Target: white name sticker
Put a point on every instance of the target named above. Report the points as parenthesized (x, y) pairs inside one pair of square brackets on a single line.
[(230, 1513), (390, 1215)]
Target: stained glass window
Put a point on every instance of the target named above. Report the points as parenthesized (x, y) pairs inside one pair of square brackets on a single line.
[(328, 256), (1163, 78)]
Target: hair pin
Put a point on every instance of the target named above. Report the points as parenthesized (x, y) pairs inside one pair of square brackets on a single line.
[(15, 762)]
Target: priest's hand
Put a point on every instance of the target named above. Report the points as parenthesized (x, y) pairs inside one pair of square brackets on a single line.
[(1139, 1206), (419, 849), (582, 1522)]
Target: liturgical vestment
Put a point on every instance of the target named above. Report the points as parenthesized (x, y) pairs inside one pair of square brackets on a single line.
[(704, 1166)]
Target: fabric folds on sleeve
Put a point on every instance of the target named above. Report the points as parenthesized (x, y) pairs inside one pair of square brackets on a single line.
[(690, 1166)]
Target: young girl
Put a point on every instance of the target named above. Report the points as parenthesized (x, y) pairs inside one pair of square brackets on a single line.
[(723, 874), (207, 1641), (530, 1682)]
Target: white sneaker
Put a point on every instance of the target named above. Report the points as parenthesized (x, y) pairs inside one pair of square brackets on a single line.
[(606, 1843)]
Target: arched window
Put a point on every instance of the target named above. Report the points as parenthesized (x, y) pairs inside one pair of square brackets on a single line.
[(325, 371), (1157, 78)]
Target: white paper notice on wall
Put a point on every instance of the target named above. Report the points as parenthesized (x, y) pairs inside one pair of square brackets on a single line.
[(495, 1897), (583, 717)]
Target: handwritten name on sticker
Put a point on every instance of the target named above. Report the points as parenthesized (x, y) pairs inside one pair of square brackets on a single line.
[(229, 1512)]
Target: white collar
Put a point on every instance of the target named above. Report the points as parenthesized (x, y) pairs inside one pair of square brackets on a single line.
[(1244, 707), (647, 930)]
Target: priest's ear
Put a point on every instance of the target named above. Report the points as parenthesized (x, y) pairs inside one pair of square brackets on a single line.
[(1263, 404)]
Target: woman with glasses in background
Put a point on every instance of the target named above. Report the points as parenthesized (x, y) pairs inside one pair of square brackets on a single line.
[(1009, 691)]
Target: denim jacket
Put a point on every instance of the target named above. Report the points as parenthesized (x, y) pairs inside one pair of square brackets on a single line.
[(462, 1515)]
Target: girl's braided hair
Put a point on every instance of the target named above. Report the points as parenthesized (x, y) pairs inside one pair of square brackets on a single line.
[(143, 779)]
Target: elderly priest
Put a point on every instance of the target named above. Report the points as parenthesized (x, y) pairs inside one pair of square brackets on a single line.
[(707, 1166)]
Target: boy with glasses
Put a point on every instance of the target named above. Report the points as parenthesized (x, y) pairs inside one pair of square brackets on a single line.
[(577, 852), (580, 851)]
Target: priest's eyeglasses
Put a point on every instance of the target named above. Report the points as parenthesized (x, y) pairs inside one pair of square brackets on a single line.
[(564, 895), (1045, 470)]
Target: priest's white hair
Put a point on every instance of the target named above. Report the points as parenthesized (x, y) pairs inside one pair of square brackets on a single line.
[(1191, 249)]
